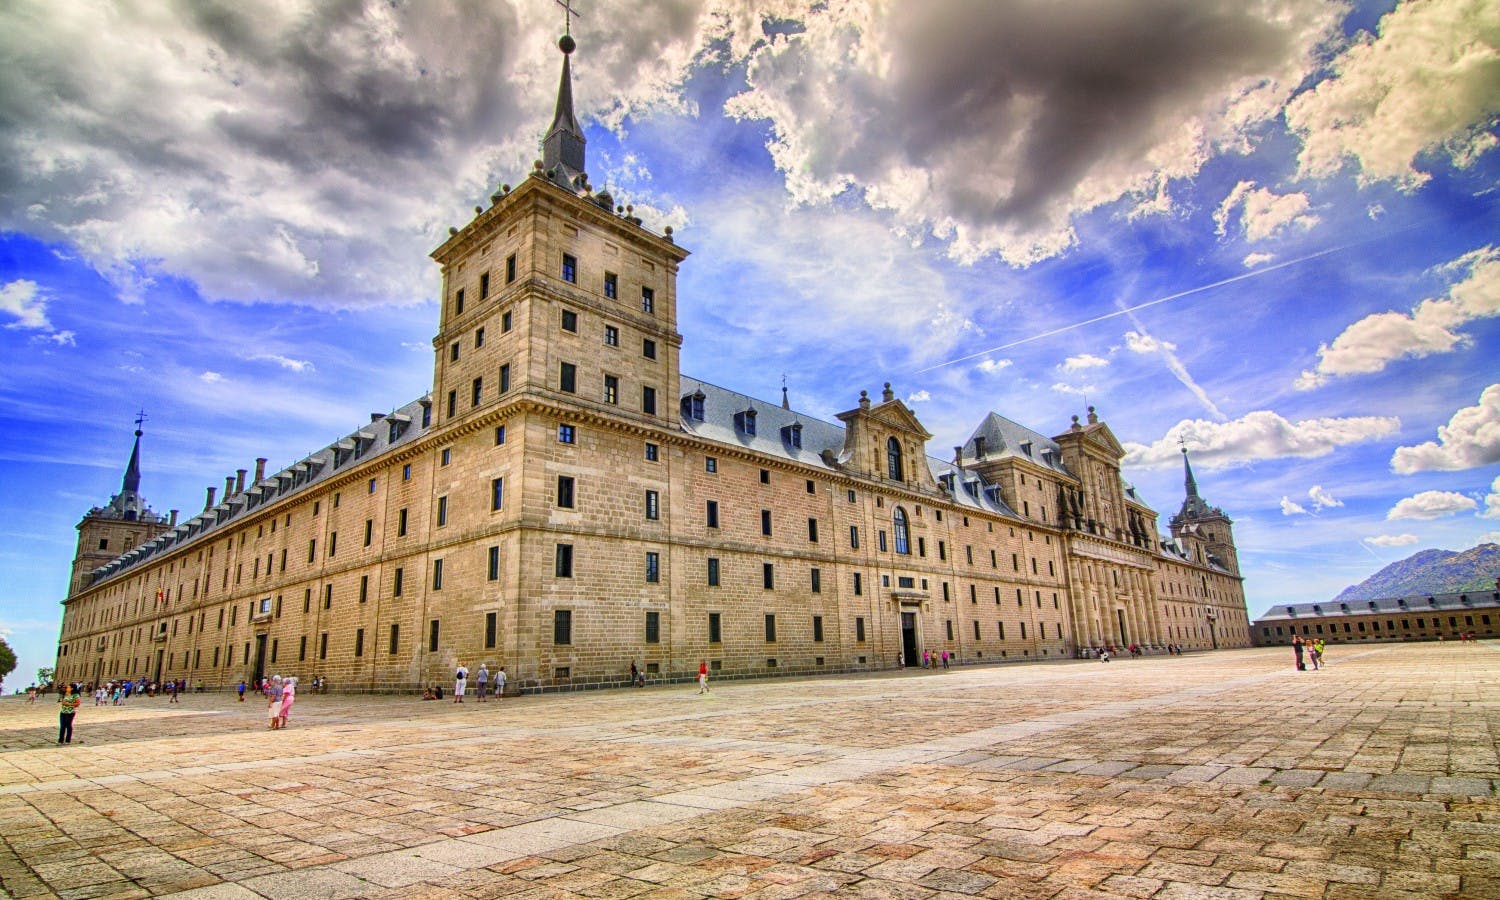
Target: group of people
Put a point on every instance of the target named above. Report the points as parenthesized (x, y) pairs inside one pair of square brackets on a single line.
[(932, 660), (1311, 649), (280, 694), (482, 682)]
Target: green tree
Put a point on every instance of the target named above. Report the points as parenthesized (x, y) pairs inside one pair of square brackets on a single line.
[(7, 659), (44, 675)]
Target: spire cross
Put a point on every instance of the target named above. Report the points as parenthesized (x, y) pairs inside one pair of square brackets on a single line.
[(568, 15), (140, 419)]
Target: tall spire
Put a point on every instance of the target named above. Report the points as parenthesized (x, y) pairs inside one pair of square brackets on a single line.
[(132, 483), (562, 148), (1187, 467)]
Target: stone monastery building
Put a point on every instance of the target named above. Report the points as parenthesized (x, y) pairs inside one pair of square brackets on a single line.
[(565, 502)]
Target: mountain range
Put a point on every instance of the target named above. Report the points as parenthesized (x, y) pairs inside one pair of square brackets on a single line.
[(1431, 572)]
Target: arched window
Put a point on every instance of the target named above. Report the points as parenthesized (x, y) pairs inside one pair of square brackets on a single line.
[(903, 545), (893, 459)]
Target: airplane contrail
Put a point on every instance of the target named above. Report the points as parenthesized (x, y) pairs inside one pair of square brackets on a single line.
[(1130, 309)]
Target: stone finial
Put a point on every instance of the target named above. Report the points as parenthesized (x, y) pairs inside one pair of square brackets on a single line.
[(888, 395), (1075, 426), (1093, 416), (864, 399)]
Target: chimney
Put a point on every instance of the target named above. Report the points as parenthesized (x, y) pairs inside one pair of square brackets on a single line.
[(958, 455), (260, 468), (210, 499), (979, 446), (376, 417), (228, 487), (239, 481), (173, 522)]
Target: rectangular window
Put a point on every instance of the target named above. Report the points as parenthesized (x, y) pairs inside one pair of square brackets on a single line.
[(312, 550), (765, 476), (478, 338), (566, 434), (611, 336), (406, 472), (648, 300), (713, 514), (505, 378), (648, 400), (817, 581), (765, 522), (713, 572), (494, 564), (458, 302), (476, 392), (499, 435), (396, 584), (359, 642), (653, 567), (652, 452), (653, 628), (564, 563), (364, 588), (611, 285), (565, 491), (949, 623), (881, 541), (611, 389), (401, 523), (817, 629), (484, 285), (452, 404), (497, 493), (437, 574), (395, 639), (322, 646), (770, 628), (768, 576), (453, 352), (442, 511), (505, 321), (570, 268), (859, 586), (567, 378), (812, 530), (714, 633), (327, 596), (369, 535), (433, 630), (653, 505), (710, 464), (562, 627), (490, 621), (942, 551), (648, 348), (854, 537), (510, 268)]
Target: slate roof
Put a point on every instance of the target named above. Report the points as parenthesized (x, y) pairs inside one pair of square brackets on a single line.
[(1410, 604), (1002, 438)]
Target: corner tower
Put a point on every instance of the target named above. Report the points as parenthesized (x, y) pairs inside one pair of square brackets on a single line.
[(1205, 530), (556, 295), (123, 524)]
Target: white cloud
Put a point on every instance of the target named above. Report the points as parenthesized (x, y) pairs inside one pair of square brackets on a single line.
[(1375, 341), (60, 338), (1489, 537), (918, 397), (1470, 439), (417, 346), (1141, 342), (24, 300), (1257, 259), (1431, 505), (1392, 540), (1492, 501), (1321, 498), (994, 129), (1291, 507), (210, 377), (1082, 390), (1083, 361), (300, 366), (1256, 436), (1263, 213), (993, 366), (1428, 83)]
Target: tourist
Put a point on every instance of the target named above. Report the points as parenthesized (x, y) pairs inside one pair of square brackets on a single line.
[(67, 708), (288, 697), (703, 676), (634, 673), (427, 694), (1297, 650), (460, 680), (483, 679), (273, 702), (500, 684), (1104, 655), (242, 690), (1317, 652), (101, 693)]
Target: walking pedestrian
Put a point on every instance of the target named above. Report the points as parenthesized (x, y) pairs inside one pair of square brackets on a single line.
[(1297, 650), (703, 676), (483, 679), (460, 681), (242, 690), (288, 697), (500, 684), (273, 702), (67, 707)]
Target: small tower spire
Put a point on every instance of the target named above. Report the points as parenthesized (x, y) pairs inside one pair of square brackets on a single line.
[(132, 483), (785, 404), (1190, 483), (562, 148)]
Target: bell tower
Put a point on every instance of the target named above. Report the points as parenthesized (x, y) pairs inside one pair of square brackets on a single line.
[(1204, 529), (119, 527)]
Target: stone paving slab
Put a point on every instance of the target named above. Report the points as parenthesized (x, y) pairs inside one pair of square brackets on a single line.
[(1211, 775)]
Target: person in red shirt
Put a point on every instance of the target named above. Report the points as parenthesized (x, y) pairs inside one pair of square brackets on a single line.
[(702, 676)]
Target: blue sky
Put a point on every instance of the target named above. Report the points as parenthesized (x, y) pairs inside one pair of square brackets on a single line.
[(1267, 228)]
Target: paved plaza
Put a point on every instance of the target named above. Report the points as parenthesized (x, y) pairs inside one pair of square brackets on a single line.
[(1212, 775)]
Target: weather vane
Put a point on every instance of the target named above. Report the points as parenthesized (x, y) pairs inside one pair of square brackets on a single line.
[(568, 15), (140, 419)]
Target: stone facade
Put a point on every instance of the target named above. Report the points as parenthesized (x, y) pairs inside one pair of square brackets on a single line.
[(565, 502), (1419, 617)]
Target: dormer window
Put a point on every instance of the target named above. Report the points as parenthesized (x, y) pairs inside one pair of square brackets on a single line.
[(792, 435), (1026, 447), (744, 422), (692, 405)]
